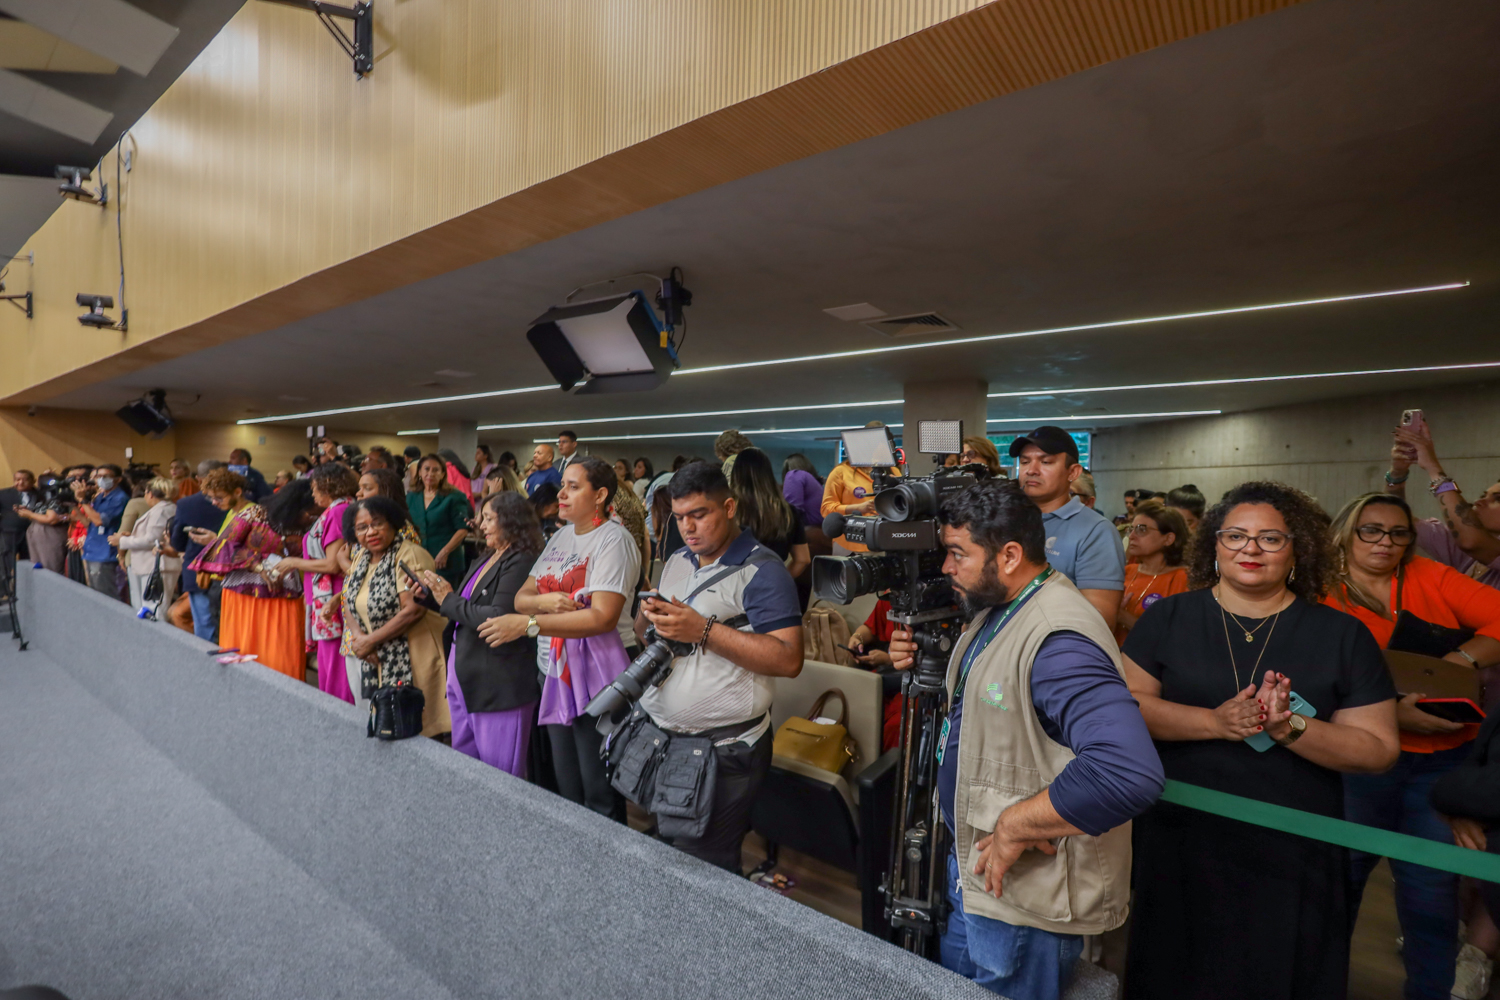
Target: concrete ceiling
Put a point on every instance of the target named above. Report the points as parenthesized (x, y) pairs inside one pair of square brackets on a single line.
[(1337, 147), (74, 76)]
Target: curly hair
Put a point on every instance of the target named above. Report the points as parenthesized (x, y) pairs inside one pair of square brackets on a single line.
[(221, 480), (335, 479), (1312, 554)]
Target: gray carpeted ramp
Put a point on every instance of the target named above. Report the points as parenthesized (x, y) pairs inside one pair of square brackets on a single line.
[(173, 828)]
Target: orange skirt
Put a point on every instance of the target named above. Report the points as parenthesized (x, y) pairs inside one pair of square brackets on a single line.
[(269, 627)]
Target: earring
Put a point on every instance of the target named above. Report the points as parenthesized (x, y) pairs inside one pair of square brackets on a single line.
[(597, 519), (1216, 568), (1292, 575)]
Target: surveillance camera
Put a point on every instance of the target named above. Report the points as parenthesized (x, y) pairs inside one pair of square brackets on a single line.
[(96, 305), (72, 185)]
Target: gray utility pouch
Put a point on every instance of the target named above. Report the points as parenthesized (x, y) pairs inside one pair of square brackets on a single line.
[(684, 793)]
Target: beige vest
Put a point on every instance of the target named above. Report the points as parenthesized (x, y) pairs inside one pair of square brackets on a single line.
[(1004, 756)]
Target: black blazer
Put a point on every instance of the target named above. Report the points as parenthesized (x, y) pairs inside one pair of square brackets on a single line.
[(493, 679), (12, 523)]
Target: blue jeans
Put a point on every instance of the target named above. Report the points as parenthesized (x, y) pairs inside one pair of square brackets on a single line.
[(1022, 963), (1426, 899), (204, 605)]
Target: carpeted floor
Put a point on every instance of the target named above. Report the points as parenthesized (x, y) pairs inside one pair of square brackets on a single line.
[(120, 876)]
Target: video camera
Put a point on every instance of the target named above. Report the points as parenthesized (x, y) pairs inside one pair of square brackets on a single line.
[(904, 537)]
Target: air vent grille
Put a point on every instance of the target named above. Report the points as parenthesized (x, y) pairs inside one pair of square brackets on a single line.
[(917, 325)]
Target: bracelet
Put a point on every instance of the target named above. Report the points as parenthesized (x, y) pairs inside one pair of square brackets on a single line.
[(1465, 654), (707, 627), (1442, 484), (1391, 480)]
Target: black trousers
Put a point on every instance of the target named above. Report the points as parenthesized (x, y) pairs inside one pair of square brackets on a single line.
[(742, 769), (578, 769)]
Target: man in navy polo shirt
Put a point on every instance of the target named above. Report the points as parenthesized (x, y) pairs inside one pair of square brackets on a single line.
[(1081, 544), (103, 514)]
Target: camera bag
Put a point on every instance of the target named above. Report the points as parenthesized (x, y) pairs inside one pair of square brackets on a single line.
[(683, 796)]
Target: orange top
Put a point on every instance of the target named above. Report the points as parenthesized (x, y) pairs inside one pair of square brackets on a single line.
[(187, 487), (1144, 589), (1441, 595)]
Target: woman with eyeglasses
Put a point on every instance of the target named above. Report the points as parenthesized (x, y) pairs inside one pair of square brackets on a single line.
[(1251, 686), (981, 451), (1380, 577), (1153, 562)]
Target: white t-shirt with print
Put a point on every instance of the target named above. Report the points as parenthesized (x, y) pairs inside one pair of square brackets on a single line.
[(605, 559)]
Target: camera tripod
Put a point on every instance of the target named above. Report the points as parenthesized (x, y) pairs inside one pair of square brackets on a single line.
[(915, 893), (8, 594)]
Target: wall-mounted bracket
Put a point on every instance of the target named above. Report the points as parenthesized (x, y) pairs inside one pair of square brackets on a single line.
[(361, 47)]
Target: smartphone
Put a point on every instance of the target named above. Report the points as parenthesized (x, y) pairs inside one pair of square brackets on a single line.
[(1262, 741), (646, 595), (1452, 709), (410, 575), (1413, 421)]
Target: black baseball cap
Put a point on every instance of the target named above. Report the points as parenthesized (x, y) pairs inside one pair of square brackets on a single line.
[(1052, 440)]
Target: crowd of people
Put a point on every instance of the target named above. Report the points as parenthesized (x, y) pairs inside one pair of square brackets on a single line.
[(1235, 646)]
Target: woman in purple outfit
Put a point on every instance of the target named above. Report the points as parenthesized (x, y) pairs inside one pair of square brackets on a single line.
[(493, 691), (803, 489)]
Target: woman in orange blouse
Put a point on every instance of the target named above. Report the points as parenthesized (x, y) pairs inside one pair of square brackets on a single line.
[(1153, 559), (1381, 576)]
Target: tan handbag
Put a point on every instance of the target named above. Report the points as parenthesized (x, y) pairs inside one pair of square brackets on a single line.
[(824, 745)]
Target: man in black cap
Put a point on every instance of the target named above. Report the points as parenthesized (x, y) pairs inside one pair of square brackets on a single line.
[(1081, 544)]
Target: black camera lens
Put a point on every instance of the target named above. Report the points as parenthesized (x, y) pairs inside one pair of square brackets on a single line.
[(842, 579)]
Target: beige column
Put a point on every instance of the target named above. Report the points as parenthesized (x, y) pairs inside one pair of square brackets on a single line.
[(948, 399)]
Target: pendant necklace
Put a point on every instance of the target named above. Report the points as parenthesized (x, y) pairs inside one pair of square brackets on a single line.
[(1233, 667), (1249, 632)]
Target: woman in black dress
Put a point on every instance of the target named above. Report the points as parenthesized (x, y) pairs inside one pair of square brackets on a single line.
[(1225, 909)]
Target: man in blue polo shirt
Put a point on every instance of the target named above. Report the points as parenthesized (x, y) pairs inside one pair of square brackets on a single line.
[(1081, 544), (104, 513)]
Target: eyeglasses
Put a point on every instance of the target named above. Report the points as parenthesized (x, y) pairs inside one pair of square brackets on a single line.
[(1144, 529), (1373, 533), (1266, 541)]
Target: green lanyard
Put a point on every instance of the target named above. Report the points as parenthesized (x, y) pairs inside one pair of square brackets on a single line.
[(978, 645)]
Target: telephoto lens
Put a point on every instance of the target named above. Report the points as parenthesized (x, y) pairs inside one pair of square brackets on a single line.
[(650, 667)]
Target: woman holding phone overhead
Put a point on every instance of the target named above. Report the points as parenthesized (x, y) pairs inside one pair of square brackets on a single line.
[(1381, 581), (576, 604), (1250, 686), (387, 634)]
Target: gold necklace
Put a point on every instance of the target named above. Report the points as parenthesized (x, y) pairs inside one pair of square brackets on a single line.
[(1249, 633), (1233, 667)]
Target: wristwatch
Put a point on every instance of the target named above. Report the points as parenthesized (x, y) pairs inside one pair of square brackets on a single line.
[(532, 628), (1299, 726)]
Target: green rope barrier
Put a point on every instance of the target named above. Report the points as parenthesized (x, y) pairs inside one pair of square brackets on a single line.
[(1386, 843)]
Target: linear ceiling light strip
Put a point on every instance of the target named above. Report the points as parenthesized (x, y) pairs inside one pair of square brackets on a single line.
[(1003, 421), (1111, 324), (1243, 381), (893, 348)]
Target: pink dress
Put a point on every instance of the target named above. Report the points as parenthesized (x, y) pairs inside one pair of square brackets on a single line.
[(319, 591)]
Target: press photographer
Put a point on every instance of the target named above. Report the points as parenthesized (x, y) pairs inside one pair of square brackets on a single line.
[(46, 516), (718, 694), (1021, 785)]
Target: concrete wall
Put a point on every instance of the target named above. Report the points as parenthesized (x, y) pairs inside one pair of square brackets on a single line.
[(479, 883), (1335, 449)]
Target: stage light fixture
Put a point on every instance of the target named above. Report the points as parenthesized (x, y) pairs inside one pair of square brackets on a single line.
[(611, 344), (96, 304), (149, 415), (72, 186)]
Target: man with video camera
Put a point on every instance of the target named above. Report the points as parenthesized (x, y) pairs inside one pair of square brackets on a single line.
[(721, 690), (1043, 758)]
